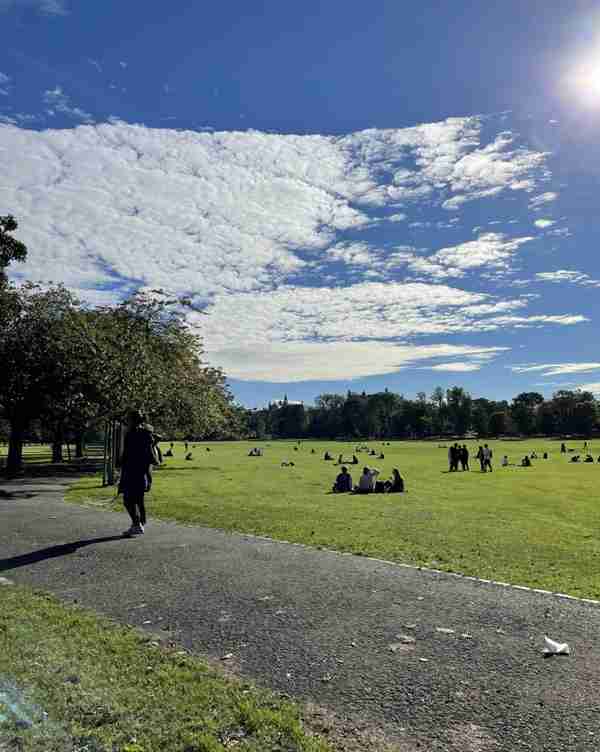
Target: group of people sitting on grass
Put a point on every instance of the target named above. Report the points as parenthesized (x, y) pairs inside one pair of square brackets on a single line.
[(368, 482), (588, 458)]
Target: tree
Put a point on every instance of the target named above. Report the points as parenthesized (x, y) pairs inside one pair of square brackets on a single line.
[(459, 409), (46, 357), (11, 249), (524, 409)]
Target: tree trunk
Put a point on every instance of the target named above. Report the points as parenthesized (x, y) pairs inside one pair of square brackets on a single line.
[(79, 446), (14, 461), (57, 455)]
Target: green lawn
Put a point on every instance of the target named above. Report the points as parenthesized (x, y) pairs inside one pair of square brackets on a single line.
[(536, 526), (103, 687)]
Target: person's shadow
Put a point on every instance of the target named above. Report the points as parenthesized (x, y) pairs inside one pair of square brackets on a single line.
[(52, 551)]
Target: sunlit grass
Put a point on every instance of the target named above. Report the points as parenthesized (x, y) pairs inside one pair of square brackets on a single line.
[(535, 526), (105, 687)]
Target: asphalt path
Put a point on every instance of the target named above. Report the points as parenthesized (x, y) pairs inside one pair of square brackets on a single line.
[(437, 661)]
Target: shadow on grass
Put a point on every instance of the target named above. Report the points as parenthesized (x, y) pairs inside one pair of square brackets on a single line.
[(85, 466), (52, 552)]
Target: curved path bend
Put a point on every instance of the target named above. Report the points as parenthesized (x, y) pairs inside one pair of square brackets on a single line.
[(437, 661)]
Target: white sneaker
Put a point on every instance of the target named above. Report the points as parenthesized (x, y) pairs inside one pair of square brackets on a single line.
[(137, 529)]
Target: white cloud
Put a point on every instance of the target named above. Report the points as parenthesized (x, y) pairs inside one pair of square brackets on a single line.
[(538, 202), (543, 223), (568, 275), (456, 367), (282, 362), (557, 369), (396, 217), (58, 101), (343, 316), (490, 250), (47, 7), (237, 219)]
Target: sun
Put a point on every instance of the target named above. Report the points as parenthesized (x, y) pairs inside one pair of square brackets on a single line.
[(583, 80)]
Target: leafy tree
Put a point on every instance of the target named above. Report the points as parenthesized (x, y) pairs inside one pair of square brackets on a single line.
[(460, 407), (524, 409), (46, 357), (11, 249)]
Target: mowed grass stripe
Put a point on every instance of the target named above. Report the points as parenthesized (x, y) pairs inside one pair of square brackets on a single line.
[(537, 526)]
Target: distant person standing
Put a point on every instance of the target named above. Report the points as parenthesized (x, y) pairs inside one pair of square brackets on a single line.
[(563, 448), (138, 456), (479, 456), (464, 457), (487, 458), (450, 458)]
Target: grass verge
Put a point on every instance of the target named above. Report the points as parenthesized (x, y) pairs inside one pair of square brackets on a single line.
[(71, 681)]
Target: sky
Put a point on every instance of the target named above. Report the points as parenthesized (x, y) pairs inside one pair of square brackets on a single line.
[(357, 195)]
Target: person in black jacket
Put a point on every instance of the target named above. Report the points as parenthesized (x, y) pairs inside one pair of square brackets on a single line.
[(138, 456)]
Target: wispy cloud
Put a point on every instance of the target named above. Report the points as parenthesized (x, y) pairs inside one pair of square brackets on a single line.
[(46, 7), (458, 367), (58, 101), (568, 275), (493, 251), (539, 202), (556, 369)]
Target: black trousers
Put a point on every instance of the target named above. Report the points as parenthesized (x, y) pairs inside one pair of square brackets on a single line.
[(134, 504)]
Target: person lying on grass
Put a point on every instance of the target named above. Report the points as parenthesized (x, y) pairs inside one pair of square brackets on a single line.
[(343, 482)]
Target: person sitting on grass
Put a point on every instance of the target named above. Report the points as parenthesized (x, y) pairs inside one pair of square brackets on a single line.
[(327, 456), (534, 455), (396, 484), (381, 456), (588, 458), (287, 464), (575, 458), (169, 453), (188, 456), (545, 455), (343, 482), (526, 462), (355, 459), (340, 459), (505, 461), (366, 483)]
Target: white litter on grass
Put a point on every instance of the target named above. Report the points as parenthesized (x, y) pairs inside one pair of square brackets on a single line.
[(555, 648), (444, 630)]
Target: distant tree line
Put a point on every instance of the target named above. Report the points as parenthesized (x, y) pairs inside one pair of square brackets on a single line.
[(66, 367), (385, 415)]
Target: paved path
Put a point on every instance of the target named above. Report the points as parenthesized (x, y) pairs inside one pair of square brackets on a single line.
[(319, 625)]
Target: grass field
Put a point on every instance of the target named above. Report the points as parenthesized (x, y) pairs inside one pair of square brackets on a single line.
[(70, 680), (537, 526)]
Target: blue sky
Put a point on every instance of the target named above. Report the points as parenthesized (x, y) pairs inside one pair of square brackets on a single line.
[(361, 195)]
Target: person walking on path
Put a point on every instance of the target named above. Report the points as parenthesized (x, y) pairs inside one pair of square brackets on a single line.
[(138, 456)]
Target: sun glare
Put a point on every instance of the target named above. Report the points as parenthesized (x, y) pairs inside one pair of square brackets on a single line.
[(583, 81)]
